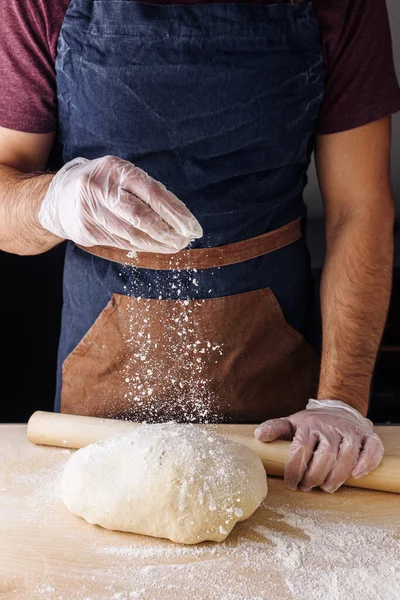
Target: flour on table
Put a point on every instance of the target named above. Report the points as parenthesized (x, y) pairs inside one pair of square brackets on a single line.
[(314, 558)]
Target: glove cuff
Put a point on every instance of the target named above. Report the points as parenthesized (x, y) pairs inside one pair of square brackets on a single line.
[(49, 212), (313, 404)]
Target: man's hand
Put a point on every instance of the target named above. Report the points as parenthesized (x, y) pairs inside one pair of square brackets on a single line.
[(331, 442), (110, 202)]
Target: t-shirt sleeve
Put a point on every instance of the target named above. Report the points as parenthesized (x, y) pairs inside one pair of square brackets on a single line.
[(361, 84), (27, 71)]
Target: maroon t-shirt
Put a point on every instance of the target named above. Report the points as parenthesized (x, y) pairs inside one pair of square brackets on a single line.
[(360, 83)]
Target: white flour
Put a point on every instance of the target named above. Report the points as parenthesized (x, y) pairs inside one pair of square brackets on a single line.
[(152, 391), (319, 560)]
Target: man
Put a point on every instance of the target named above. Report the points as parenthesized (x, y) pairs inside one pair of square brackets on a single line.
[(221, 103)]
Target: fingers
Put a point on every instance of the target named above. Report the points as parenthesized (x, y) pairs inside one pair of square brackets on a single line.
[(300, 453), (370, 456), (172, 210), (121, 234), (157, 220), (274, 429), (335, 460), (141, 216), (322, 462), (349, 452)]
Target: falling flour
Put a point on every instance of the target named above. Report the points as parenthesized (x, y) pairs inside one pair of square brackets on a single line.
[(178, 386)]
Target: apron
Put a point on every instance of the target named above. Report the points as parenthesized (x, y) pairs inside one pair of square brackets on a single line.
[(219, 102)]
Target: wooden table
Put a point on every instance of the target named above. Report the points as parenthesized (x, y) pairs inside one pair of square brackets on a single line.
[(298, 546)]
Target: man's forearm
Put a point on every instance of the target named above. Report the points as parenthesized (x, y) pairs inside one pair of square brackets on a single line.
[(20, 199), (355, 293)]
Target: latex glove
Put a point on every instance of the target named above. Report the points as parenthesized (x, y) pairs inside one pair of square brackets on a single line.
[(331, 442), (110, 202)]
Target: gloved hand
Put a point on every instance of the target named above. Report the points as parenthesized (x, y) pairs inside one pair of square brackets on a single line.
[(110, 202), (331, 442)]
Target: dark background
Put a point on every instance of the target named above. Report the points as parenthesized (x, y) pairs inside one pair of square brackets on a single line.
[(30, 309)]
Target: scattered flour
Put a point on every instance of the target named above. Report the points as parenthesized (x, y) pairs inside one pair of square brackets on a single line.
[(298, 554)]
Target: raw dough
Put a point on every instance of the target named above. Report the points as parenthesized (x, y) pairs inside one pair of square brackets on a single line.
[(167, 480)]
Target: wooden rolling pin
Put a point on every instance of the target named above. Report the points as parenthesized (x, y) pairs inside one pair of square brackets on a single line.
[(71, 431)]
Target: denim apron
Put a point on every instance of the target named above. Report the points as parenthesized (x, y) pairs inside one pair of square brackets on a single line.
[(219, 102)]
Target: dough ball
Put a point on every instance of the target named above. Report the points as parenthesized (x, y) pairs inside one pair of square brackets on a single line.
[(167, 480)]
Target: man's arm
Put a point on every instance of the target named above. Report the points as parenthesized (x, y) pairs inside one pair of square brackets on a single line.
[(353, 171), (333, 442), (22, 192)]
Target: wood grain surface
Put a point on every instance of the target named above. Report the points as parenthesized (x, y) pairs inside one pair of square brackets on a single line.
[(47, 553)]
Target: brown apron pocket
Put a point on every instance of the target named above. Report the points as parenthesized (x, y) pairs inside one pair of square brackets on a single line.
[(233, 358)]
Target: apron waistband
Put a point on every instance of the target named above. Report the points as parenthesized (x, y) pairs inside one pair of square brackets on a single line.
[(204, 258)]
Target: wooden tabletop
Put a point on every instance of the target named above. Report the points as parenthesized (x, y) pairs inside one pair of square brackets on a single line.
[(297, 546)]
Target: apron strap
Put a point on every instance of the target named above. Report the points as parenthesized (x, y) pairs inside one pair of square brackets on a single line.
[(204, 258)]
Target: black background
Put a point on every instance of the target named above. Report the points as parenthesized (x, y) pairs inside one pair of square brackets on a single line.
[(30, 315)]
